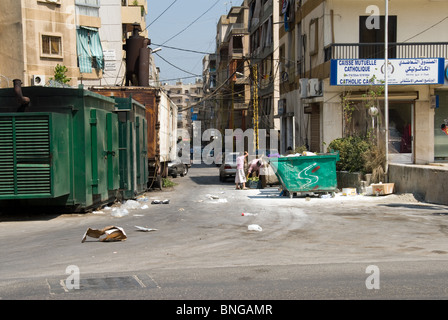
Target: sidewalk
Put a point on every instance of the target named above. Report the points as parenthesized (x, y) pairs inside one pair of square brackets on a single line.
[(427, 182)]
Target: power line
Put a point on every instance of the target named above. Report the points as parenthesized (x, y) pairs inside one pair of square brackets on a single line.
[(176, 66), (191, 23), (180, 49), (166, 80), (426, 29), (161, 14), (216, 90)]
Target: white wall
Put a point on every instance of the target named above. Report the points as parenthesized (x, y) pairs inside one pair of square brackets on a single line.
[(414, 16), (111, 39)]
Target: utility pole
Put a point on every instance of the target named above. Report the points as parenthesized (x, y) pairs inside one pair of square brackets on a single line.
[(255, 96), (386, 86), (232, 114)]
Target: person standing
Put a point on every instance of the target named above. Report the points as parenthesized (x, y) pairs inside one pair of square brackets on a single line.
[(240, 177)]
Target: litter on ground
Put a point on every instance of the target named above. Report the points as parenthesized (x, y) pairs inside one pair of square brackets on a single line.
[(215, 199), (144, 229), (166, 201), (254, 227), (110, 233)]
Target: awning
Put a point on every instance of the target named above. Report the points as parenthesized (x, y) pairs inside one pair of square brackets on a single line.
[(361, 96), (89, 48)]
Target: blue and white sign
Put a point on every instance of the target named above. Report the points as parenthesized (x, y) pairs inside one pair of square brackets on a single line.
[(361, 72)]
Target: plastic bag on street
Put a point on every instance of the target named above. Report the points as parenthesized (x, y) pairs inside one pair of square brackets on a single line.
[(254, 227)]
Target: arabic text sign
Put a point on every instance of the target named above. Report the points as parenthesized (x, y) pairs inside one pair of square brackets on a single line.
[(359, 72)]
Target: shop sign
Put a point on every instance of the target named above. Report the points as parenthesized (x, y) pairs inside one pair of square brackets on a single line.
[(361, 72)]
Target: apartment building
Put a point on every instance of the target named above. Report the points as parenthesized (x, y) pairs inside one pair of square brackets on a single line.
[(209, 106), (264, 61), (36, 35), (119, 18), (233, 69), (187, 97), (332, 53), (86, 36)]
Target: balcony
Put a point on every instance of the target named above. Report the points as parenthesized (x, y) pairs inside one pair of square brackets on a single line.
[(129, 15), (236, 29), (408, 50)]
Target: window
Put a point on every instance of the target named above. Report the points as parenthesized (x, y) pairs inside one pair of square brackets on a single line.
[(237, 42), (371, 40), (314, 44), (51, 46)]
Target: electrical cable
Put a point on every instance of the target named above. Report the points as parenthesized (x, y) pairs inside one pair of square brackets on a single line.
[(180, 49), (191, 23), (160, 14), (166, 80), (426, 29), (176, 66), (216, 91)]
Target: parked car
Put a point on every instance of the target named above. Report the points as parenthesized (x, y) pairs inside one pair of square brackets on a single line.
[(228, 167), (176, 167)]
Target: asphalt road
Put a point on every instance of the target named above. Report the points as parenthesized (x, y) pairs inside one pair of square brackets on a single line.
[(390, 247)]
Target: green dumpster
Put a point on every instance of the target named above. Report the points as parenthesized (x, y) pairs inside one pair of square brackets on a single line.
[(307, 173), (132, 146), (62, 151)]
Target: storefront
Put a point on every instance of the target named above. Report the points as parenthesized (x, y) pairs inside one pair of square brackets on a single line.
[(415, 135), (440, 126)]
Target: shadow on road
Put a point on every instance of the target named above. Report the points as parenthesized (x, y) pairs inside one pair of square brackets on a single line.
[(30, 214), (414, 206), (200, 174)]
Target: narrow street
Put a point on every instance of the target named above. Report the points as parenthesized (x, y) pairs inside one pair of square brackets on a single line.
[(202, 249)]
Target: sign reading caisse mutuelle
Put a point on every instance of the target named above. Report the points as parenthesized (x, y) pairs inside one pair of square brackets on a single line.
[(361, 72)]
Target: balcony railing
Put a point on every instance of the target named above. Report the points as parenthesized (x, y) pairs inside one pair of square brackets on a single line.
[(236, 28), (395, 50)]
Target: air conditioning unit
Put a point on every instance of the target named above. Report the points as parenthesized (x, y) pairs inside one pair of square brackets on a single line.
[(314, 88), (39, 80), (303, 87)]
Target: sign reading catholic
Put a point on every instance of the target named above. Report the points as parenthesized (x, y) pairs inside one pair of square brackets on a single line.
[(361, 72)]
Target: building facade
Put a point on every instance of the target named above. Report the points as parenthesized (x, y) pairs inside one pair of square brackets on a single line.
[(118, 20), (187, 98), (317, 36), (36, 35), (264, 63), (233, 70), (85, 36), (209, 106)]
